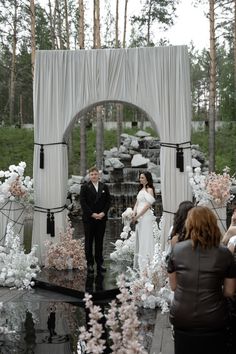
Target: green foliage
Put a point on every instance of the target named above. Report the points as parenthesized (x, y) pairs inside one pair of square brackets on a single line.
[(225, 146), (17, 145)]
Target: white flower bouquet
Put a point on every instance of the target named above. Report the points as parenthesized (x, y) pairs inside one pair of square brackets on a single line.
[(14, 186), (211, 187)]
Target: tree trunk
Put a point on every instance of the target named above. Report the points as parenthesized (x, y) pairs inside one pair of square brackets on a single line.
[(83, 145), (99, 125), (96, 23), (81, 24), (51, 23), (117, 25), (67, 26), (119, 118), (125, 24), (58, 20), (13, 66), (212, 88), (32, 24), (99, 138), (149, 23)]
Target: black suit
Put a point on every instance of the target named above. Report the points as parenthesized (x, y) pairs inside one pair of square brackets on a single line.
[(93, 201)]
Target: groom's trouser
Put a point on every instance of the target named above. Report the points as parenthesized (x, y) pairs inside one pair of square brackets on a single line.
[(94, 233)]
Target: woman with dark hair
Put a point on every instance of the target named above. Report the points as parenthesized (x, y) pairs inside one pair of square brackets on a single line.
[(143, 217), (201, 273), (178, 229)]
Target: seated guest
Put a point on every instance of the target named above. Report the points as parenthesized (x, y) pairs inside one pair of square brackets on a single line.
[(201, 273)]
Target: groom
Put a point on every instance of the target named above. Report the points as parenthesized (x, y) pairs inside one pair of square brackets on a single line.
[(95, 201)]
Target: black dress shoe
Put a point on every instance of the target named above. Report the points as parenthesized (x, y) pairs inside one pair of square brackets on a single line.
[(90, 269), (101, 269)]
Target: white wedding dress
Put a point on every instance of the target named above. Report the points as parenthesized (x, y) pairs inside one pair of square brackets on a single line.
[(144, 239)]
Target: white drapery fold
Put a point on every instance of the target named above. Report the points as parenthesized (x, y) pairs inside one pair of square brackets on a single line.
[(155, 80)]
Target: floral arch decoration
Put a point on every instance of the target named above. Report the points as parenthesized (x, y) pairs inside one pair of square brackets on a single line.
[(66, 82)]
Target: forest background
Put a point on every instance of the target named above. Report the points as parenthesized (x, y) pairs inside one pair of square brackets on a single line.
[(26, 26)]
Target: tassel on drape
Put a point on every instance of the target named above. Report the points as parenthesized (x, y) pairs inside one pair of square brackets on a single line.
[(41, 163), (52, 225), (180, 159), (48, 222)]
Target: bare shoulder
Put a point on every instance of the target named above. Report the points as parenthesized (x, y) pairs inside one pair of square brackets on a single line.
[(150, 191)]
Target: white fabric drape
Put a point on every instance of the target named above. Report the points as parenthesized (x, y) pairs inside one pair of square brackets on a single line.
[(67, 82)]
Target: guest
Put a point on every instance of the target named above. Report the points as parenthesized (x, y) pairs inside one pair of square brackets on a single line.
[(201, 273), (229, 240), (95, 202), (232, 228), (143, 217), (178, 230)]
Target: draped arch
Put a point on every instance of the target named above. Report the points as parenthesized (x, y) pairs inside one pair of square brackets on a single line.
[(66, 83), (87, 109)]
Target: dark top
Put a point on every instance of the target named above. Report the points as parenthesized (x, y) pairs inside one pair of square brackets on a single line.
[(94, 202), (198, 299)]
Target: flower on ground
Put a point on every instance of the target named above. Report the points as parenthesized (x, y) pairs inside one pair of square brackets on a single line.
[(17, 269), (68, 253)]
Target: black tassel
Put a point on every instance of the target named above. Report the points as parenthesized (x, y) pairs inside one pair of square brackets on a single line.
[(177, 156), (48, 222), (52, 225), (41, 164), (181, 160)]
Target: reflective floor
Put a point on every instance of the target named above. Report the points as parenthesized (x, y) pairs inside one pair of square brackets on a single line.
[(40, 322), (46, 322)]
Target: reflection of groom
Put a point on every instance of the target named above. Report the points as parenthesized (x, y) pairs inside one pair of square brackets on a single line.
[(95, 202)]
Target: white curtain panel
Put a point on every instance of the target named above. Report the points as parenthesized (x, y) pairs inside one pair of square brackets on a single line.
[(66, 83)]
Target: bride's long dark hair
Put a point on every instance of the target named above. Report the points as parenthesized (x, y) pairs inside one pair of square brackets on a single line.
[(149, 184)]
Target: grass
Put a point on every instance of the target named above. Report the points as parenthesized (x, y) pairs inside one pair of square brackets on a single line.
[(17, 145)]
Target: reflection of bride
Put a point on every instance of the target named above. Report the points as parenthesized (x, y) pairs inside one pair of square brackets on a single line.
[(143, 217)]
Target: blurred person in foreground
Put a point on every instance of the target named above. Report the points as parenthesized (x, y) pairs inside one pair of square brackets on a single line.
[(201, 273)]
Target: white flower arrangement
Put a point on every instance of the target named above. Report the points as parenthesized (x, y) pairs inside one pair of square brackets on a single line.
[(211, 187), (14, 186), (17, 269), (150, 287), (68, 253)]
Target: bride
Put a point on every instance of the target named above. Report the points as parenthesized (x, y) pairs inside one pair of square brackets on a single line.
[(143, 217)]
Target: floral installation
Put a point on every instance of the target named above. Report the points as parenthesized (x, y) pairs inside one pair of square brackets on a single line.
[(150, 287), (17, 269), (122, 322), (68, 253), (14, 186), (211, 187)]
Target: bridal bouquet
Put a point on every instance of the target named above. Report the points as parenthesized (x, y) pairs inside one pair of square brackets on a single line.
[(211, 186), (14, 186)]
